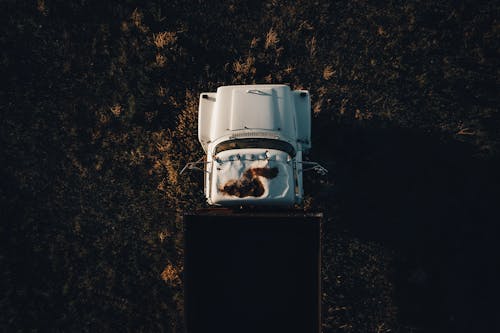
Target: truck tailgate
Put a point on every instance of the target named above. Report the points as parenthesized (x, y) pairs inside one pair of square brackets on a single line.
[(252, 272)]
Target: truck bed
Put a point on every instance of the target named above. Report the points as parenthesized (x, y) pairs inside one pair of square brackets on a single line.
[(252, 271)]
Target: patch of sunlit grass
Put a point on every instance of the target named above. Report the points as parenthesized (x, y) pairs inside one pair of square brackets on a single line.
[(328, 72), (271, 39), (160, 59), (171, 275), (116, 110), (164, 38)]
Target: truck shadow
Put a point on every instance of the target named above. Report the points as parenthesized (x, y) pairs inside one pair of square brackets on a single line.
[(433, 204)]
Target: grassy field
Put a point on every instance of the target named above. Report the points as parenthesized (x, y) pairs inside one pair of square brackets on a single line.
[(98, 115)]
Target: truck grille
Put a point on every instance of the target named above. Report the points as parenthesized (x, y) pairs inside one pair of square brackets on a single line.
[(254, 135)]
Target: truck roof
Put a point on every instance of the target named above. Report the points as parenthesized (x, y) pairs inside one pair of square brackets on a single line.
[(255, 107)]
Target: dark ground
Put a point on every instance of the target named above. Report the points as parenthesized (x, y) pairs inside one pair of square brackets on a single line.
[(98, 114)]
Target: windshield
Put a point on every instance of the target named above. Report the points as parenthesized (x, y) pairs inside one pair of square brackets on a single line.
[(256, 143)]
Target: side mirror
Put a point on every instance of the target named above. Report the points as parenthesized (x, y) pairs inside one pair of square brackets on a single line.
[(314, 166)]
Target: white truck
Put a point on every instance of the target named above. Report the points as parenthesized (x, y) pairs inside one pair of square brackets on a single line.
[(254, 137)]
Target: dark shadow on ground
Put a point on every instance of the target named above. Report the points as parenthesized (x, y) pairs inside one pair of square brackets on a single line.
[(434, 204)]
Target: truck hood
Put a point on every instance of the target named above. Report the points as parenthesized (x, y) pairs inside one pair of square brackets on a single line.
[(256, 109), (249, 176)]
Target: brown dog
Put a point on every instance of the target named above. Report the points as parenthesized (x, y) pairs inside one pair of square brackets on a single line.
[(249, 183)]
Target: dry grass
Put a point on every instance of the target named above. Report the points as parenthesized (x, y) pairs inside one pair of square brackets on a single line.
[(164, 38), (311, 46), (160, 60), (116, 110), (162, 91), (137, 17), (245, 67), (41, 7), (271, 39), (328, 72), (171, 275), (317, 106), (254, 43)]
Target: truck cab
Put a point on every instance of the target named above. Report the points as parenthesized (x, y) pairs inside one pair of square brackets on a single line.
[(254, 137)]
